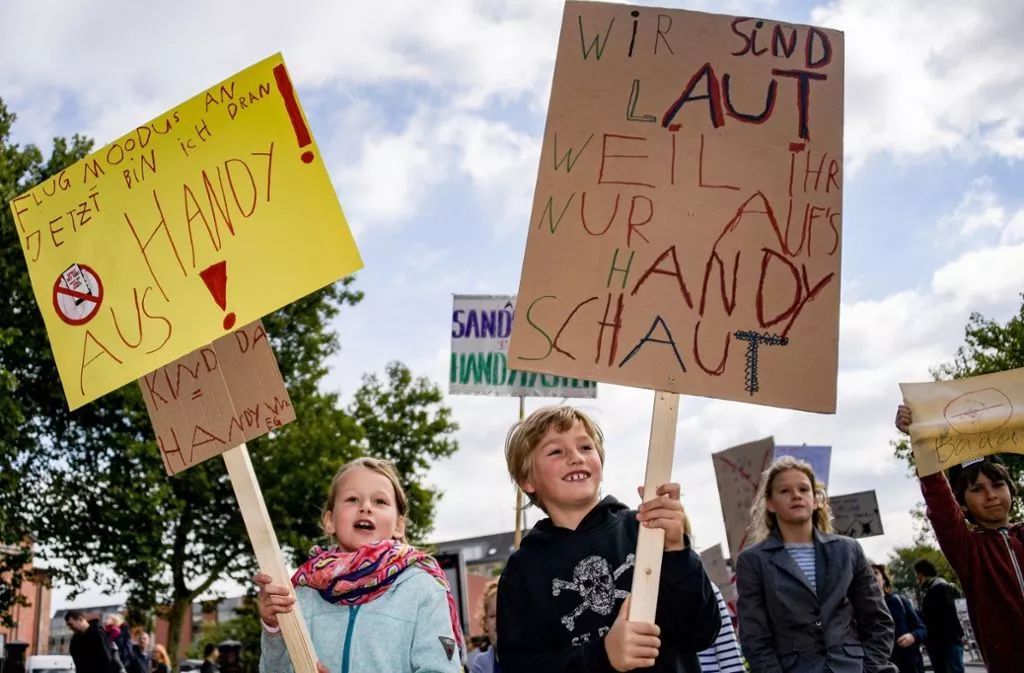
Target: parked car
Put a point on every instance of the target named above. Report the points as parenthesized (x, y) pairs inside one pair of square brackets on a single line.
[(49, 663), (191, 665)]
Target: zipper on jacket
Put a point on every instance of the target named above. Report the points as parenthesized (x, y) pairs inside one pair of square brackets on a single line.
[(352, 612), (1013, 560)]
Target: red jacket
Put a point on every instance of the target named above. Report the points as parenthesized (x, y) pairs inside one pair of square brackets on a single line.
[(989, 564)]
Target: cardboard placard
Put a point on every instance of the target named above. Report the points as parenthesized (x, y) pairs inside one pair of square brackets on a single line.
[(686, 225), (819, 458), (856, 514), (738, 471), (719, 572), (216, 398), (481, 326), (955, 421), (215, 213)]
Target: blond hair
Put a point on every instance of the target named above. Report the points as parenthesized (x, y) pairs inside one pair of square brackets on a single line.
[(524, 436), (490, 591), (160, 655), (762, 522), (378, 465)]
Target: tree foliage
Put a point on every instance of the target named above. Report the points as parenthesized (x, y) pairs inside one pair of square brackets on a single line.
[(100, 504), (989, 347)]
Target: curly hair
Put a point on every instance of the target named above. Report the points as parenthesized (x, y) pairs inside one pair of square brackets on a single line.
[(762, 522)]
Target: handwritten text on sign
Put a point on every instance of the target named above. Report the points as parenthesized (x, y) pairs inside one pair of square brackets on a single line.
[(955, 421), (215, 398), (215, 213), (738, 472), (481, 325), (686, 223)]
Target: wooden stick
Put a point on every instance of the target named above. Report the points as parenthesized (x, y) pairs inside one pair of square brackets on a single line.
[(268, 554), (518, 537), (651, 543)]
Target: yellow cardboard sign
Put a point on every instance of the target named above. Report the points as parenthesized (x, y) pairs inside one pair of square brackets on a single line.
[(212, 215), (955, 421)]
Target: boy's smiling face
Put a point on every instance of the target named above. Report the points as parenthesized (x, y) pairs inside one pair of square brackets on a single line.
[(565, 470), (988, 501)]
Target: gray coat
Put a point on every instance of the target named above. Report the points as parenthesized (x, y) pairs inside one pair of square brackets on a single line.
[(785, 625)]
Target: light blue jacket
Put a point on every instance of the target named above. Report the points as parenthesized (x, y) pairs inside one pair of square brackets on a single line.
[(405, 630)]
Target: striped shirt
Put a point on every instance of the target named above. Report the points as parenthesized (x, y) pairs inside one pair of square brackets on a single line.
[(724, 655), (803, 554)]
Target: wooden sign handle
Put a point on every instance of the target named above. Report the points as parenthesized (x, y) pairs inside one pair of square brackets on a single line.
[(651, 543), (268, 553)]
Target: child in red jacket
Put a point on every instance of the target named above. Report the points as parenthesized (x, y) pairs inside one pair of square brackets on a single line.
[(985, 550)]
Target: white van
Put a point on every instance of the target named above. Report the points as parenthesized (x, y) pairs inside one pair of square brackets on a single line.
[(50, 663)]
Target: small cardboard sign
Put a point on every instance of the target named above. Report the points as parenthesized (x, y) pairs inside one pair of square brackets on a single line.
[(216, 398), (955, 421), (686, 229), (481, 326), (216, 213), (856, 514), (738, 472), (719, 572)]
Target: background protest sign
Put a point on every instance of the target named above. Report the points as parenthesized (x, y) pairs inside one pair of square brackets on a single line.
[(719, 572), (686, 225), (819, 457), (213, 214), (481, 325), (738, 473), (856, 514), (216, 398), (961, 419)]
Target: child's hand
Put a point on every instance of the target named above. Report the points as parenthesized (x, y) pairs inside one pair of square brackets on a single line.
[(631, 644), (273, 600), (320, 668), (665, 512), (906, 640), (904, 418)]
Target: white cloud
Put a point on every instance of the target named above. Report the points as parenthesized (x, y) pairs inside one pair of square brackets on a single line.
[(979, 209), (917, 87)]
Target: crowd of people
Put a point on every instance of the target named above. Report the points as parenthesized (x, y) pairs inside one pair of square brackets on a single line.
[(114, 648), (809, 599)]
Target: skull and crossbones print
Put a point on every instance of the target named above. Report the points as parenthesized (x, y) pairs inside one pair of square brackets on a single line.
[(594, 581)]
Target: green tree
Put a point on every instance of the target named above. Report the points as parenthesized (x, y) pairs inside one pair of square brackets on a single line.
[(403, 420), (15, 553), (901, 567), (989, 347), (101, 505), (243, 628)]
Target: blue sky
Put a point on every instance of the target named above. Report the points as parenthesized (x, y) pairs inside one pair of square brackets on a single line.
[(430, 116)]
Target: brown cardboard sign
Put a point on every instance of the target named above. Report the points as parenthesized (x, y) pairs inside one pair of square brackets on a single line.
[(686, 225), (738, 471), (216, 398), (720, 573)]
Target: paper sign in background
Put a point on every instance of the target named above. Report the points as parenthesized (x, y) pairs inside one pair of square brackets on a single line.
[(719, 572), (961, 419), (216, 398), (738, 473), (215, 213), (819, 458), (686, 224), (481, 325), (856, 514)]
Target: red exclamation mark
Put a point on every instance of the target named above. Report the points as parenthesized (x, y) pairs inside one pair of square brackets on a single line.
[(216, 278), (284, 85)]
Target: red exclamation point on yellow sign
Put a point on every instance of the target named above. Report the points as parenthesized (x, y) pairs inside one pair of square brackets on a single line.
[(216, 279), (284, 85)]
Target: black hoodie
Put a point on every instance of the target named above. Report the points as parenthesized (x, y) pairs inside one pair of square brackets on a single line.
[(561, 592)]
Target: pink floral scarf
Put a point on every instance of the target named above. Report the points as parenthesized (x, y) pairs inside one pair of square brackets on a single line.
[(354, 578)]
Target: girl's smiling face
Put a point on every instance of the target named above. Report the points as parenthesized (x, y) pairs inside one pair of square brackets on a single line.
[(364, 510)]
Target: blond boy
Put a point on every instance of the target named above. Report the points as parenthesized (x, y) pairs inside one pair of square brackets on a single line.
[(563, 597)]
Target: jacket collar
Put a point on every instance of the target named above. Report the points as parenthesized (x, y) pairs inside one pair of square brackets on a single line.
[(784, 560)]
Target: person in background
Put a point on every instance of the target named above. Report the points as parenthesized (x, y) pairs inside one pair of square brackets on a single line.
[(487, 662), (808, 600), (945, 641), (910, 631), (210, 654), (161, 661), (90, 648)]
